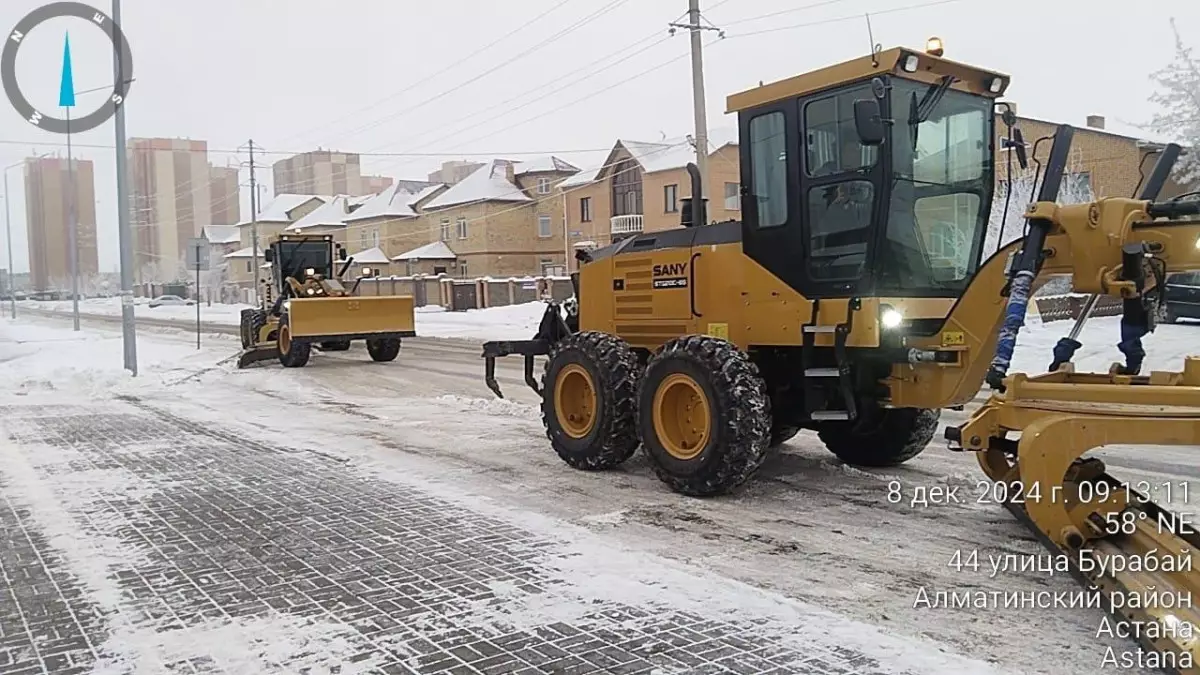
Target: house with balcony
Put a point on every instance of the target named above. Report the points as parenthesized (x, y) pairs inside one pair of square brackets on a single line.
[(504, 219), (391, 220), (640, 186)]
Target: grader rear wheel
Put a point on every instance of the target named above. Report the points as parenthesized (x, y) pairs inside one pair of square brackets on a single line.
[(589, 393), (704, 416)]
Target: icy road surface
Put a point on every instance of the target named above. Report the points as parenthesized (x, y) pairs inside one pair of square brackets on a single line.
[(134, 507)]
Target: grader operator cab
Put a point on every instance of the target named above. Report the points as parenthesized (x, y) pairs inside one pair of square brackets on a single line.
[(855, 299), (311, 306)]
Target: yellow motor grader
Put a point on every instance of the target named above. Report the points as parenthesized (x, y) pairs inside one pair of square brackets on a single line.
[(854, 299), (312, 306)]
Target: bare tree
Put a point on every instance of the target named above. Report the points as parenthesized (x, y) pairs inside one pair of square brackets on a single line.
[(1178, 96)]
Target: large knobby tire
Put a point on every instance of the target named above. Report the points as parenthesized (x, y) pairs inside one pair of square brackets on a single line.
[(292, 353), (244, 327), (704, 416), (258, 319), (899, 435), (382, 349), (589, 400)]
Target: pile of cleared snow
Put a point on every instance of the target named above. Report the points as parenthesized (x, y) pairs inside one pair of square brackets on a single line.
[(1165, 347), (44, 358)]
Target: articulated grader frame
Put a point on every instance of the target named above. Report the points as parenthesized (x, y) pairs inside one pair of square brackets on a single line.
[(706, 347), (313, 307)]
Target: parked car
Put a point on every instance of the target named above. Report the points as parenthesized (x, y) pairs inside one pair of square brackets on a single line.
[(1183, 297), (169, 300)]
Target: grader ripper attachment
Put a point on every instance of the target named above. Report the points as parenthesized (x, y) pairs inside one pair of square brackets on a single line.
[(313, 307), (855, 299)]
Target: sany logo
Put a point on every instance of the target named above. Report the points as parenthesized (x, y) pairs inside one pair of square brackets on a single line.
[(670, 269)]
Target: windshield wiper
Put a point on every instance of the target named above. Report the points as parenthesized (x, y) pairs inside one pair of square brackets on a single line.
[(919, 112)]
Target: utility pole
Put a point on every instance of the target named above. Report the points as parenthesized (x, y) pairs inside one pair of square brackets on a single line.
[(254, 227), (698, 106), (124, 235)]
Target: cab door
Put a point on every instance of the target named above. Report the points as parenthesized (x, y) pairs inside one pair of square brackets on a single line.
[(772, 232)]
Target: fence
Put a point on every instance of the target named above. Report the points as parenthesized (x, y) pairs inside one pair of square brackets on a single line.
[(463, 294), (1060, 307)]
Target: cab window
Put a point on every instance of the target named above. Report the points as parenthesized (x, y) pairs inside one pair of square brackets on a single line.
[(768, 168)]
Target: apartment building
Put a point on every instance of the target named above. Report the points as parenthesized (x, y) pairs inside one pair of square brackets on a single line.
[(48, 182), (321, 172), (171, 202), (391, 220), (373, 185), (225, 195), (505, 218), (641, 184), (276, 215), (454, 171)]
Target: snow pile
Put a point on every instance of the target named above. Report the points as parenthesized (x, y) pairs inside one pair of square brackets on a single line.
[(492, 406), (37, 358)]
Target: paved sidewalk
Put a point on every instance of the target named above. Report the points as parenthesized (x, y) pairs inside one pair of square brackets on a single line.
[(139, 542)]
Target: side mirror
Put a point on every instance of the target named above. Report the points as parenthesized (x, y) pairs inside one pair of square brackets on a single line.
[(269, 255), (868, 122), (341, 252)]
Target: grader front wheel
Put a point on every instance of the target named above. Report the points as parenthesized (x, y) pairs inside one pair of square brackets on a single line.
[(589, 393), (292, 353), (704, 416), (895, 436)]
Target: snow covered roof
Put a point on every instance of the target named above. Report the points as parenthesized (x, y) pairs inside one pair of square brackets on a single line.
[(581, 178), (360, 200), (221, 234), (424, 193), (395, 201), (437, 250), (547, 163), (486, 184), (277, 210), (330, 214), (371, 256), (247, 252)]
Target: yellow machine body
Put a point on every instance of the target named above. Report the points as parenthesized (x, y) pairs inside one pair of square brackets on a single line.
[(700, 345)]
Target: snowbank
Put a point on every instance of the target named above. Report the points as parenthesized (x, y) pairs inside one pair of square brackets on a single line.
[(513, 322), (38, 358)]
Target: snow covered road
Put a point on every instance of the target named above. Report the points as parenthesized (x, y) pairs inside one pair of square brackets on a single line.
[(826, 561)]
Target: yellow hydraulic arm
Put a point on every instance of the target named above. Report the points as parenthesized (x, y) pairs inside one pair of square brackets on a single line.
[(1136, 556)]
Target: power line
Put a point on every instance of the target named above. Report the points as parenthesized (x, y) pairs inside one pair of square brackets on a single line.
[(856, 17)]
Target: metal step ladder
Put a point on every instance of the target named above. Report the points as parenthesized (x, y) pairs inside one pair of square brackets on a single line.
[(818, 379)]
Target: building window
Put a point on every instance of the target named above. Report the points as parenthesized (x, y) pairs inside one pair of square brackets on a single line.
[(462, 227), (445, 229), (548, 267), (249, 267), (544, 226), (410, 267), (733, 200), (375, 238), (585, 209), (543, 186), (462, 269), (670, 198)]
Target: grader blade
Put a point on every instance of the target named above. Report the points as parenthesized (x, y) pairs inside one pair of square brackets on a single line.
[(1137, 559), (258, 354)]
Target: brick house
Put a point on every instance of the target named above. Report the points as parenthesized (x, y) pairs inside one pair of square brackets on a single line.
[(640, 186), (329, 218), (279, 213), (432, 258), (391, 219), (504, 219), (1111, 163)]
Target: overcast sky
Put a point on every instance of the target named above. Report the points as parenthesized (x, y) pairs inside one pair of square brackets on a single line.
[(380, 76)]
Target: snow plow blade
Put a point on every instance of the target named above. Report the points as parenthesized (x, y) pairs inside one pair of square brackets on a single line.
[(1119, 539), (258, 354)]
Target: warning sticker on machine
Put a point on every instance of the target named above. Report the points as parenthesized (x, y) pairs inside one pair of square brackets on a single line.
[(671, 282)]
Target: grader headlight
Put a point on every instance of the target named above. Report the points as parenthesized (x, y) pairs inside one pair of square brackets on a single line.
[(934, 46), (890, 318)]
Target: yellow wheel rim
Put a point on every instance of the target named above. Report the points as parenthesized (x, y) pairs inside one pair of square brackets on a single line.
[(575, 400), (285, 339), (682, 420)]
